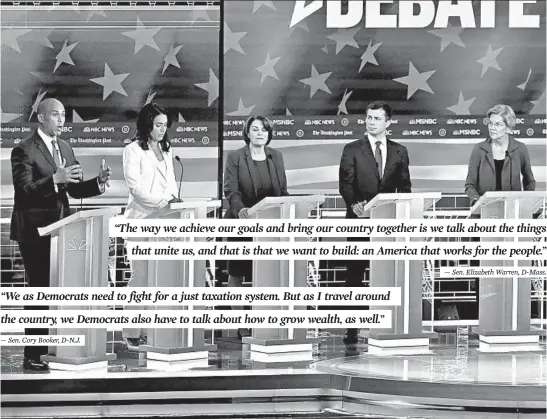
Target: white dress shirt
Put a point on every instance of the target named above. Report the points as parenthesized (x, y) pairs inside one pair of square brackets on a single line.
[(383, 149), (49, 144)]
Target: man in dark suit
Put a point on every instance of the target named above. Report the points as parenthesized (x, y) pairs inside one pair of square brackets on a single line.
[(369, 166), (45, 172)]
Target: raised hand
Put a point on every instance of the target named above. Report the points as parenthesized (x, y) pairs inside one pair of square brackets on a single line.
[(70, 174), (104, 173)]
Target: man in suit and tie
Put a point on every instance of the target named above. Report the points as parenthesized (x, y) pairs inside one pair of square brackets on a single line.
[(369, 166), (45, 172)]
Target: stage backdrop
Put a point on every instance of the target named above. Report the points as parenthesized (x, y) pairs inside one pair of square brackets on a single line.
[(315, 83), (104, 64)]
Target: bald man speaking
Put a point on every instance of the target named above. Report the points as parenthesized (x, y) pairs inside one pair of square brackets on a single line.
[(45, 172)]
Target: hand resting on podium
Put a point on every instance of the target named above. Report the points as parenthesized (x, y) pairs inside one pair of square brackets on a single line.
[(359, 208), (243, 213)]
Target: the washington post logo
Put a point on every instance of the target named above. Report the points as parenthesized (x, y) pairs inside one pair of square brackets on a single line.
[(416, 13)]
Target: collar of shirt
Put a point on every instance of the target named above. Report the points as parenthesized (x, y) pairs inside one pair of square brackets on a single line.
[(498, 146), (47, 139)]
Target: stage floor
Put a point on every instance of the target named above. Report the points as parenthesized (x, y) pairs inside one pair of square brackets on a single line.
[(454, 381)]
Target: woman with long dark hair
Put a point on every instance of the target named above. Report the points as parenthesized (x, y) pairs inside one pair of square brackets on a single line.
[(148, 171), (148, 164)]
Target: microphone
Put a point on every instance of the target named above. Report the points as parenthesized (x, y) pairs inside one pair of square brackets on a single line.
[(81, 180), (177, 158)]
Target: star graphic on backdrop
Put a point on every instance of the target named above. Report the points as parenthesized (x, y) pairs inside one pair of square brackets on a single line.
[(211, 87), (287, 112), (200, 14), (150, 97), (143, 36), (267, 69), (325, 49), (77, 119), (317, 81), (40, 36), (171, 58), (523, 85), (462, 107), (301, 25), (368, 55), (181, 119), (540, 105), (34, 108), (342, 107), (64, 55), (415, 80), (111, 82), (231, 40), (43, 77), (95, 11), (257, 4), (241, 109), (449, 35), (9, 117), (10, 35), (345, 37), (489, 60)]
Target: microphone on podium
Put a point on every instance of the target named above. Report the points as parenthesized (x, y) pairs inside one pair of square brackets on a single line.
[(177, 158), (81, 180)]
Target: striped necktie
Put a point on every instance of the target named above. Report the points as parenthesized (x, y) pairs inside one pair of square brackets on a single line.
[(378, 158), (55, 152)]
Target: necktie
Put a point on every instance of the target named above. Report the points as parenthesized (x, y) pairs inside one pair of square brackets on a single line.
[(55, 152), (378, 158)]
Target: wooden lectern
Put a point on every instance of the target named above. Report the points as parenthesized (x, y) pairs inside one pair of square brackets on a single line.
[(275, 344), (505, 303), (405, 336), (176, 349), (79, 258)]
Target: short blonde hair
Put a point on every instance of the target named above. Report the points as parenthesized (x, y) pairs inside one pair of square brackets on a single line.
[(506, 112)]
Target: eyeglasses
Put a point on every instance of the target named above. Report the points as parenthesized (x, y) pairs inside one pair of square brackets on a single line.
[(497, 125)]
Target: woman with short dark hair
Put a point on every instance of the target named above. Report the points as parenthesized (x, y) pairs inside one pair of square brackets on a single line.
[(252, 173)]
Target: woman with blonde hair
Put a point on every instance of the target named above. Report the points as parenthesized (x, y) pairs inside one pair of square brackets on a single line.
[(497, 163)]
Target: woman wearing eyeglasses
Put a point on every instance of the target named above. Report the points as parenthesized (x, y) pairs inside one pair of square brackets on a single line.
[(497, 163)]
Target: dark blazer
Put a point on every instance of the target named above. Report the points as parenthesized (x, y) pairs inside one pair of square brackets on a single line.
[(36, 203), (359, 179), (481, 173), (240, 179)]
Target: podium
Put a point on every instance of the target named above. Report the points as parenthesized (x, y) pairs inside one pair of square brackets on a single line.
[(405, 336), (180, 348), (275, 344), (79, 258), (505, 303)]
